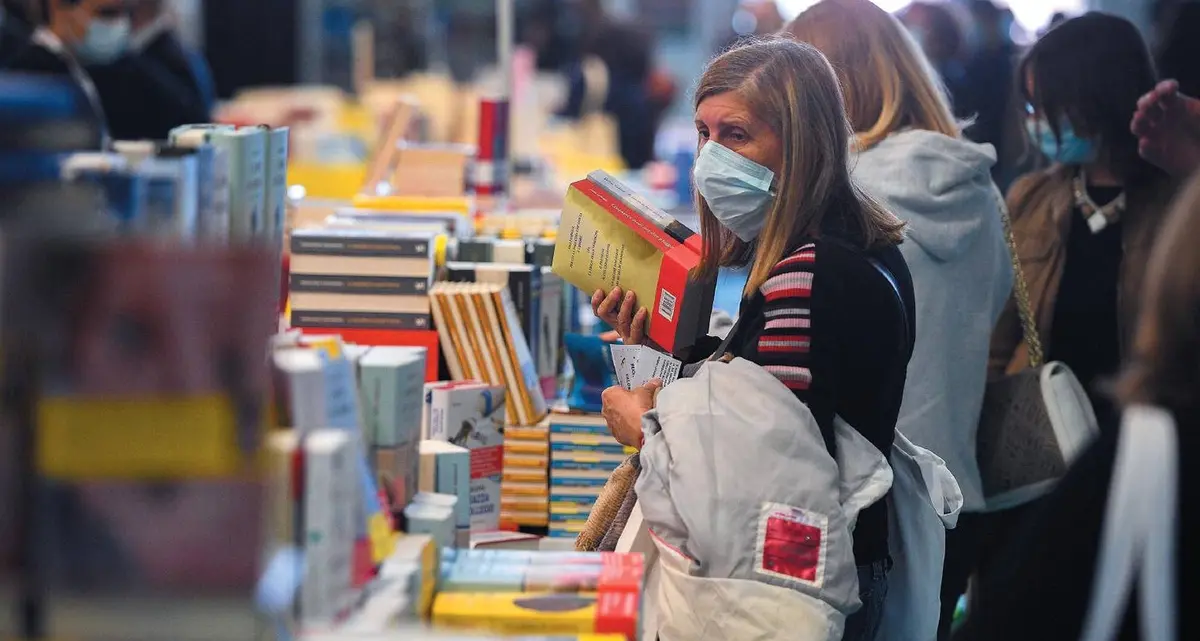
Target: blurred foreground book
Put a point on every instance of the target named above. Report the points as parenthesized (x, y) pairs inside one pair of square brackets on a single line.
[(137, 373)]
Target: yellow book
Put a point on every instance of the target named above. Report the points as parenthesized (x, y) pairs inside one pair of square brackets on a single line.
[(539, 612), (609, 237)]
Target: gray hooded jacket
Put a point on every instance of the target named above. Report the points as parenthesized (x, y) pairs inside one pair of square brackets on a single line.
[(962, 276)]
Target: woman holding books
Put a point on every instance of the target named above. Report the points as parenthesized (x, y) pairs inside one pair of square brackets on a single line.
[(828, 307), (911, 154)]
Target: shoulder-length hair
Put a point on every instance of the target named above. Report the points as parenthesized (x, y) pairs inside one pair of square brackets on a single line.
[(791, 88), (1090, 71), (888, 82), (1164, 368)]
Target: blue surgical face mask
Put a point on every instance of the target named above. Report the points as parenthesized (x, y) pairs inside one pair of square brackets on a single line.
[(737, 189), (106, 40), (1072, 150)]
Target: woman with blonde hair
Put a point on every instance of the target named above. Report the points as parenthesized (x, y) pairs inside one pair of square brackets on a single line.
[(828, 305), (912, 157)]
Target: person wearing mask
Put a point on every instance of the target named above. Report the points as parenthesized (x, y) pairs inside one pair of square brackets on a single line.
[(774, 193), (155, 38), (1047, 582), (145, 90), (1084, 226), (61, 37), (913, 158)]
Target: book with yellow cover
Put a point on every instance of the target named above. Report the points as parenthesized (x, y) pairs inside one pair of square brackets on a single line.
[(540, 612), (609, 236)]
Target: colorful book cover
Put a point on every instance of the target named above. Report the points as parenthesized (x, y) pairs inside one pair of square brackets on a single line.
[(609, 237), (472, 416), (539, 612)]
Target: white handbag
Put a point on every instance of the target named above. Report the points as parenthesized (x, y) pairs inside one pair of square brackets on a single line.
[(1139, 536)]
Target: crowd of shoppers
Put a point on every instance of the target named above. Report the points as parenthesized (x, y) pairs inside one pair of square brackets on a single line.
[(1104, 259)]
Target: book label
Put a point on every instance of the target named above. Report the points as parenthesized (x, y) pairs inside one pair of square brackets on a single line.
[(332, 283)]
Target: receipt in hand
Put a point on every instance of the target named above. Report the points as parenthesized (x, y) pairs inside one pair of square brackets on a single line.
[(636, 365)]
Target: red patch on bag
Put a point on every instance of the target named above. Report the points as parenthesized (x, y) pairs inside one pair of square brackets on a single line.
[(792, 547)]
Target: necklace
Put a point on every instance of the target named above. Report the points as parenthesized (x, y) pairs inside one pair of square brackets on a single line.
[(1097, 217)]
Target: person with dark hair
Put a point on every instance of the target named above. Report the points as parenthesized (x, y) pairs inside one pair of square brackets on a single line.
[(1048, 583), (1084, 226), (1179, 48)]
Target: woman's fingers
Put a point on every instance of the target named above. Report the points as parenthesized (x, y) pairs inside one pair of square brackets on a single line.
[(637, 329), (625, 318)]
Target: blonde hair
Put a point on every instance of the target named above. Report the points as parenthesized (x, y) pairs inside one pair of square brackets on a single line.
[(791, 88), (888, 82)]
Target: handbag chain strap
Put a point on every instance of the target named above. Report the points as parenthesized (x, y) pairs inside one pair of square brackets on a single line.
[(1021, 293)]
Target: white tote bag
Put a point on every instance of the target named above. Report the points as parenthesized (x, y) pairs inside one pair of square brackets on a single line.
[(924, 503), (1138, 541)]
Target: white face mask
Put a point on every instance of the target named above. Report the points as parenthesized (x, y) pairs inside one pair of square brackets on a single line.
[(105, 41), (737, 189)]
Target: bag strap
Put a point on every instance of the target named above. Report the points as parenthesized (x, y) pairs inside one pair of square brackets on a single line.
[(1021, 292), (1138, 540)]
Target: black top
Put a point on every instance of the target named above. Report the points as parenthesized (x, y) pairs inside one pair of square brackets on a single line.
[(1084, 333), (1042, 588), (830, 326), (146, 94)]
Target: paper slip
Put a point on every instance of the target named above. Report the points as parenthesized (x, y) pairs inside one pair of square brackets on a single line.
[(636, 365)]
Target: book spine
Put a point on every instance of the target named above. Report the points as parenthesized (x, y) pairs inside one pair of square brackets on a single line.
[(642, 207), (329, 245), (276, 185), (338, 284), (257, 146), (359, 320)]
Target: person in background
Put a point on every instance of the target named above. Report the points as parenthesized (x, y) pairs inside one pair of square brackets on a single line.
[(1084, 226), (938, 33), (913, 158), (626, 52), (1179, 48), (988, 94), (60, 37), (147, 88), (1045, 584), (754, 18), (155, 38), (774, 192)]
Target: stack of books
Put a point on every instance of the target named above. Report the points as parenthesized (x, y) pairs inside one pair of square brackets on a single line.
[(356, 278), (524, 492), (511, 591), (390, 385), (470, 414), (583, 454), (537, 294), (481, 335), (257, 160)]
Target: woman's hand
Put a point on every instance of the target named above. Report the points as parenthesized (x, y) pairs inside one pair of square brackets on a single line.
[(618, 309), (623, 410)]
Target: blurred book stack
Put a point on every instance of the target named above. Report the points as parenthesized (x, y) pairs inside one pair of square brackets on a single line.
[(524, 492), (583, 454), (516, 592), (353, 278)]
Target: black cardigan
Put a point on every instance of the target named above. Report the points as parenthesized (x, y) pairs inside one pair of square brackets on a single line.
[(831, 328)]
